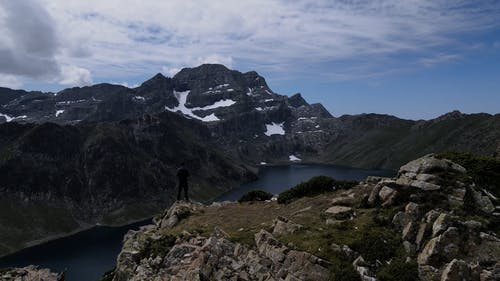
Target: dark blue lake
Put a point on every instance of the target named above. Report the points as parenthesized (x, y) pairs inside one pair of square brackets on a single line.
[(85, 256)]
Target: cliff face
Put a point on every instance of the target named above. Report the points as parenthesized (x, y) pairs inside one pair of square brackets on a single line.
[(428, 223), (58, 178)]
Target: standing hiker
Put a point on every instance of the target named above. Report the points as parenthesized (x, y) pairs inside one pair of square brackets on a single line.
[(182, 177)]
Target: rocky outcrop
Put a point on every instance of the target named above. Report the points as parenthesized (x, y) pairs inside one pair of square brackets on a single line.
[(445, 246), (148, 254), (30, 273)]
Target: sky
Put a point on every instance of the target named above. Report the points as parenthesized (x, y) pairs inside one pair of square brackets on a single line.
[(416, 59)]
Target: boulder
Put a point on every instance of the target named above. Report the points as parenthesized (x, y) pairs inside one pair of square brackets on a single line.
[(429, 164), (482, 203), (442, 223), (421, 234), (459, 270), (385, 192), (29, 273), (442, 248), (373, 198), (285, 226), (410, 231), (413, 210), (339, 211)]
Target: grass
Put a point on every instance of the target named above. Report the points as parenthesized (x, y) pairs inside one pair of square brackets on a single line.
[(242, 221)]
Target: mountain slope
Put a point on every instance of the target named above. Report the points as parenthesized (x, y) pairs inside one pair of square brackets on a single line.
[(102, 173)]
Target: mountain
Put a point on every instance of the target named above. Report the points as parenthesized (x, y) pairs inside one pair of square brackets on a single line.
[(107, 153), (60, 178)]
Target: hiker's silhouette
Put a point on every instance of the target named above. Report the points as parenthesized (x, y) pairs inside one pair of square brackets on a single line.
[(182, 177)]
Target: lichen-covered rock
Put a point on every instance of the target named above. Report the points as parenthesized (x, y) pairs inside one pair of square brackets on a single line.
[(148, 254), (285, 226), (385, 192), (483, 203), (442, 248), (429, 164), (459, 270), (30, 273), (442, 222)]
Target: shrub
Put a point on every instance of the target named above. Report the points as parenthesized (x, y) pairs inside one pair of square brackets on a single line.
[(375, 243), (343, 272), (399, 270), (255, 195), (484, 171), (315, 186)]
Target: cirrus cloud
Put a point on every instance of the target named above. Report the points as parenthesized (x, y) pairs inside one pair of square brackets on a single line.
[(125, 38)]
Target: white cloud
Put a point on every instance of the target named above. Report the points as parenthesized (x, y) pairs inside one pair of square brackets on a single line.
[(127, 38), (169, 71), (75, 76), (10, 81), (438, 59)]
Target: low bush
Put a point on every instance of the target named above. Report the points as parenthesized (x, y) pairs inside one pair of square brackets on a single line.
[(315, 186), (399, 270), (484, 171), (343, 271), (255, 195), (376, 243)]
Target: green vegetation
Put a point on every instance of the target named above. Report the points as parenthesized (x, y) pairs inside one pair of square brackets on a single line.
[(255, 195), (313, 187), (484, 171), (375, 243), (159, 247), (399, 270), (342, 270)]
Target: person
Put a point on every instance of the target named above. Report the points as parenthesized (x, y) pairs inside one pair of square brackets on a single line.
[(182, 177)]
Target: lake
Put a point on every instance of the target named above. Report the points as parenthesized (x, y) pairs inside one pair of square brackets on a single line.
[(85, 256)]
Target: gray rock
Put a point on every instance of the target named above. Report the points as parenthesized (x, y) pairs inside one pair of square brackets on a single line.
[(442, 223), (429, 164), (285, 226), (442, 248), (483, 203), (459, 270), (385, 192)]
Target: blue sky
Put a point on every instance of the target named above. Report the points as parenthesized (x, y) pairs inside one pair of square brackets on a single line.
[(415, 59)]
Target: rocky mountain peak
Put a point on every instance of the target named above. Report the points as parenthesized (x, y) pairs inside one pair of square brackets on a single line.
[(297, 100)]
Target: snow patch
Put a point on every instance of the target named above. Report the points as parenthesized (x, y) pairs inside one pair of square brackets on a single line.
[(70, 102), (230, 90), (263, 163), (294, 158), (59, 112), (274, 129), (217, 104), (188, 112), (10, 118), (222, 86), (250, 92), (141, 98), (269, 93), (7, 117), (267, 100), (258, 108)]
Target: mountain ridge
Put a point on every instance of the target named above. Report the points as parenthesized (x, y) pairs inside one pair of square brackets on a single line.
[(56, 147)]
